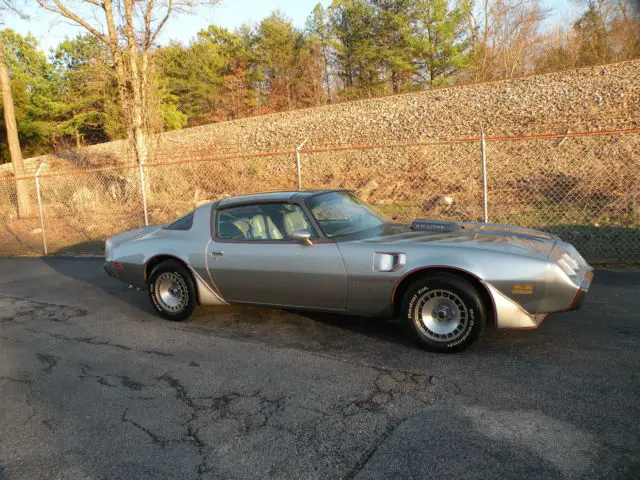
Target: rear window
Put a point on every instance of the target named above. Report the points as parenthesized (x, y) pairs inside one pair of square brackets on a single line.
[(183, 223)]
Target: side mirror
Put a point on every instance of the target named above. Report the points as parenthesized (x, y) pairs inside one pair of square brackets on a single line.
[(302, 237)]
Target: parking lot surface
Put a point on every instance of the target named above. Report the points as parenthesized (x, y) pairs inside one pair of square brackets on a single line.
[(93, 385)]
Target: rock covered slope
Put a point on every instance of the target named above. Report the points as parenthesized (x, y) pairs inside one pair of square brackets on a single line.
[(591, 98)]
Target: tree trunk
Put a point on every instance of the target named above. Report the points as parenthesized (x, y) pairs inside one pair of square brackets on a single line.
[(327, 78), (22, 186), (140, 145), (145, 90)]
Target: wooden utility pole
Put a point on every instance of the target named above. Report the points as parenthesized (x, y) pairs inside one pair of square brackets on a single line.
[(22, 186)]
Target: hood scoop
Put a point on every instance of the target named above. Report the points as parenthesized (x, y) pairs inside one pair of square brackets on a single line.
[(437, 226)]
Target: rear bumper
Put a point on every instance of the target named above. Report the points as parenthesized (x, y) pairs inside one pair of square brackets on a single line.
[(130, 273), (110, 269)]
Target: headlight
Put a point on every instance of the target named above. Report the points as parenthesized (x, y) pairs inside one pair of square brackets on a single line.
[(568, 265), (567, 257)]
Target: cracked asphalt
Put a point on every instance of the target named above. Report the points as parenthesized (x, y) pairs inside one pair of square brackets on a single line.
[(94, 386)]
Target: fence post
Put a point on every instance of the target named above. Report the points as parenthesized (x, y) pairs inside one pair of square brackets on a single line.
[(143, 189), (44, 236), (485, 215), (298, 148)]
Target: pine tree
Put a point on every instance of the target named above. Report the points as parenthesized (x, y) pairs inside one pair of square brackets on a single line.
[(289, 63), (439, 40), (89, 90), (319, 30), (354, 25), (394, 39)]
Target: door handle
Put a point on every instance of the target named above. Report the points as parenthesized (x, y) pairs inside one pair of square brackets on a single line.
[(216, 253)]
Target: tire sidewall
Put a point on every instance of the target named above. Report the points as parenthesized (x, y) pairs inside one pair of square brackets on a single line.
[(466, 293), (177, 268)]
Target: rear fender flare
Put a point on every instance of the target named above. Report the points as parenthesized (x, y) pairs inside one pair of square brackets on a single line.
[(206, 296)]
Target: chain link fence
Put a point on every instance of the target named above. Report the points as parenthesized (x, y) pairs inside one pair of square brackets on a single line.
[(583, 186)]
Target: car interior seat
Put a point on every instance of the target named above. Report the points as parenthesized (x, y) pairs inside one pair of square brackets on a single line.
[(294, 221), (228, 229), (258, 228), (263, 228)]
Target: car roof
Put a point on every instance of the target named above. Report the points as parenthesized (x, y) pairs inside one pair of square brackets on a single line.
[(268, 197)]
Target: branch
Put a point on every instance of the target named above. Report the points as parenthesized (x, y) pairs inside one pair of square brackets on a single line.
[(161, 24), (65, 12), (111, 26), (7, 5), (147, 23)]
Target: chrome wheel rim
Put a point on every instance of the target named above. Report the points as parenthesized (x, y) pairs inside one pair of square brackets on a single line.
[(171, 292), (441, 315)]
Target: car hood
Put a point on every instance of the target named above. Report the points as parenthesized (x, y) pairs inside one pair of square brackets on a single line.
[(503, 238)]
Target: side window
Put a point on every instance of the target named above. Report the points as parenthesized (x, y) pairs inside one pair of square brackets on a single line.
[(268, 221), (183, 223)]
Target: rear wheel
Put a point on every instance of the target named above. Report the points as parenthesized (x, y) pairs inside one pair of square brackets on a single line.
[(445, 312), (172, 291)]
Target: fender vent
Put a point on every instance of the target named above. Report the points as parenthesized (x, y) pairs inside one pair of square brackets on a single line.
[(439, 226)]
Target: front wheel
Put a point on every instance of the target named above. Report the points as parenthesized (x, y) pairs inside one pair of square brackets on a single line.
[(445, 312), (172, 291)]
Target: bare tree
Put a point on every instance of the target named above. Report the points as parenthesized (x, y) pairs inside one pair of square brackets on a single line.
[(503, 33), (605, 31), (129, 29), (626, 27), (22, 186), (620, 25)]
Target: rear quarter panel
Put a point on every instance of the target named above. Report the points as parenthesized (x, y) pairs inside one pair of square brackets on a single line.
[(188, 246)]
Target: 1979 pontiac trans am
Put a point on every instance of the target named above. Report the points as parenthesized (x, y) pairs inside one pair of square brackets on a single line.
[(327, 250)]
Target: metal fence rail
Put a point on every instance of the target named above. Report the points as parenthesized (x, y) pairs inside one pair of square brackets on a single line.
[(584, 186)]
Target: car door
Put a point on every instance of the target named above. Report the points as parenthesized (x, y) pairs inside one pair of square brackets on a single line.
[(252, 259)]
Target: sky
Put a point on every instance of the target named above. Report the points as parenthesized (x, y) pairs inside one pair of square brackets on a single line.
[(49, 30)]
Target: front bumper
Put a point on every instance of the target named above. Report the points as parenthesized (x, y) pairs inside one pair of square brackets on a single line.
[(510, 315), (582, 291)]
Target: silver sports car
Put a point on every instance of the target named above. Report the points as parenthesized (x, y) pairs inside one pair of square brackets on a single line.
[(327, 250)]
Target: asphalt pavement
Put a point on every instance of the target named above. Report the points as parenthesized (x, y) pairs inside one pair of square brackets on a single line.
[(93, 385)]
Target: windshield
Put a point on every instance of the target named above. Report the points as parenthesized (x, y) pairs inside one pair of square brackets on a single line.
[(342, 213)]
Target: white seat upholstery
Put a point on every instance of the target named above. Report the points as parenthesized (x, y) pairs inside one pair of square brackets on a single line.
[(263, 228), (294, 221), (258, 228), (274, 231)]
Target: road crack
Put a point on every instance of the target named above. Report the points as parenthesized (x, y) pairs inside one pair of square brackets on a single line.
[(364, 459), (95, 342), (17, 380), (49, 361), (38, 310), (155, 439)]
